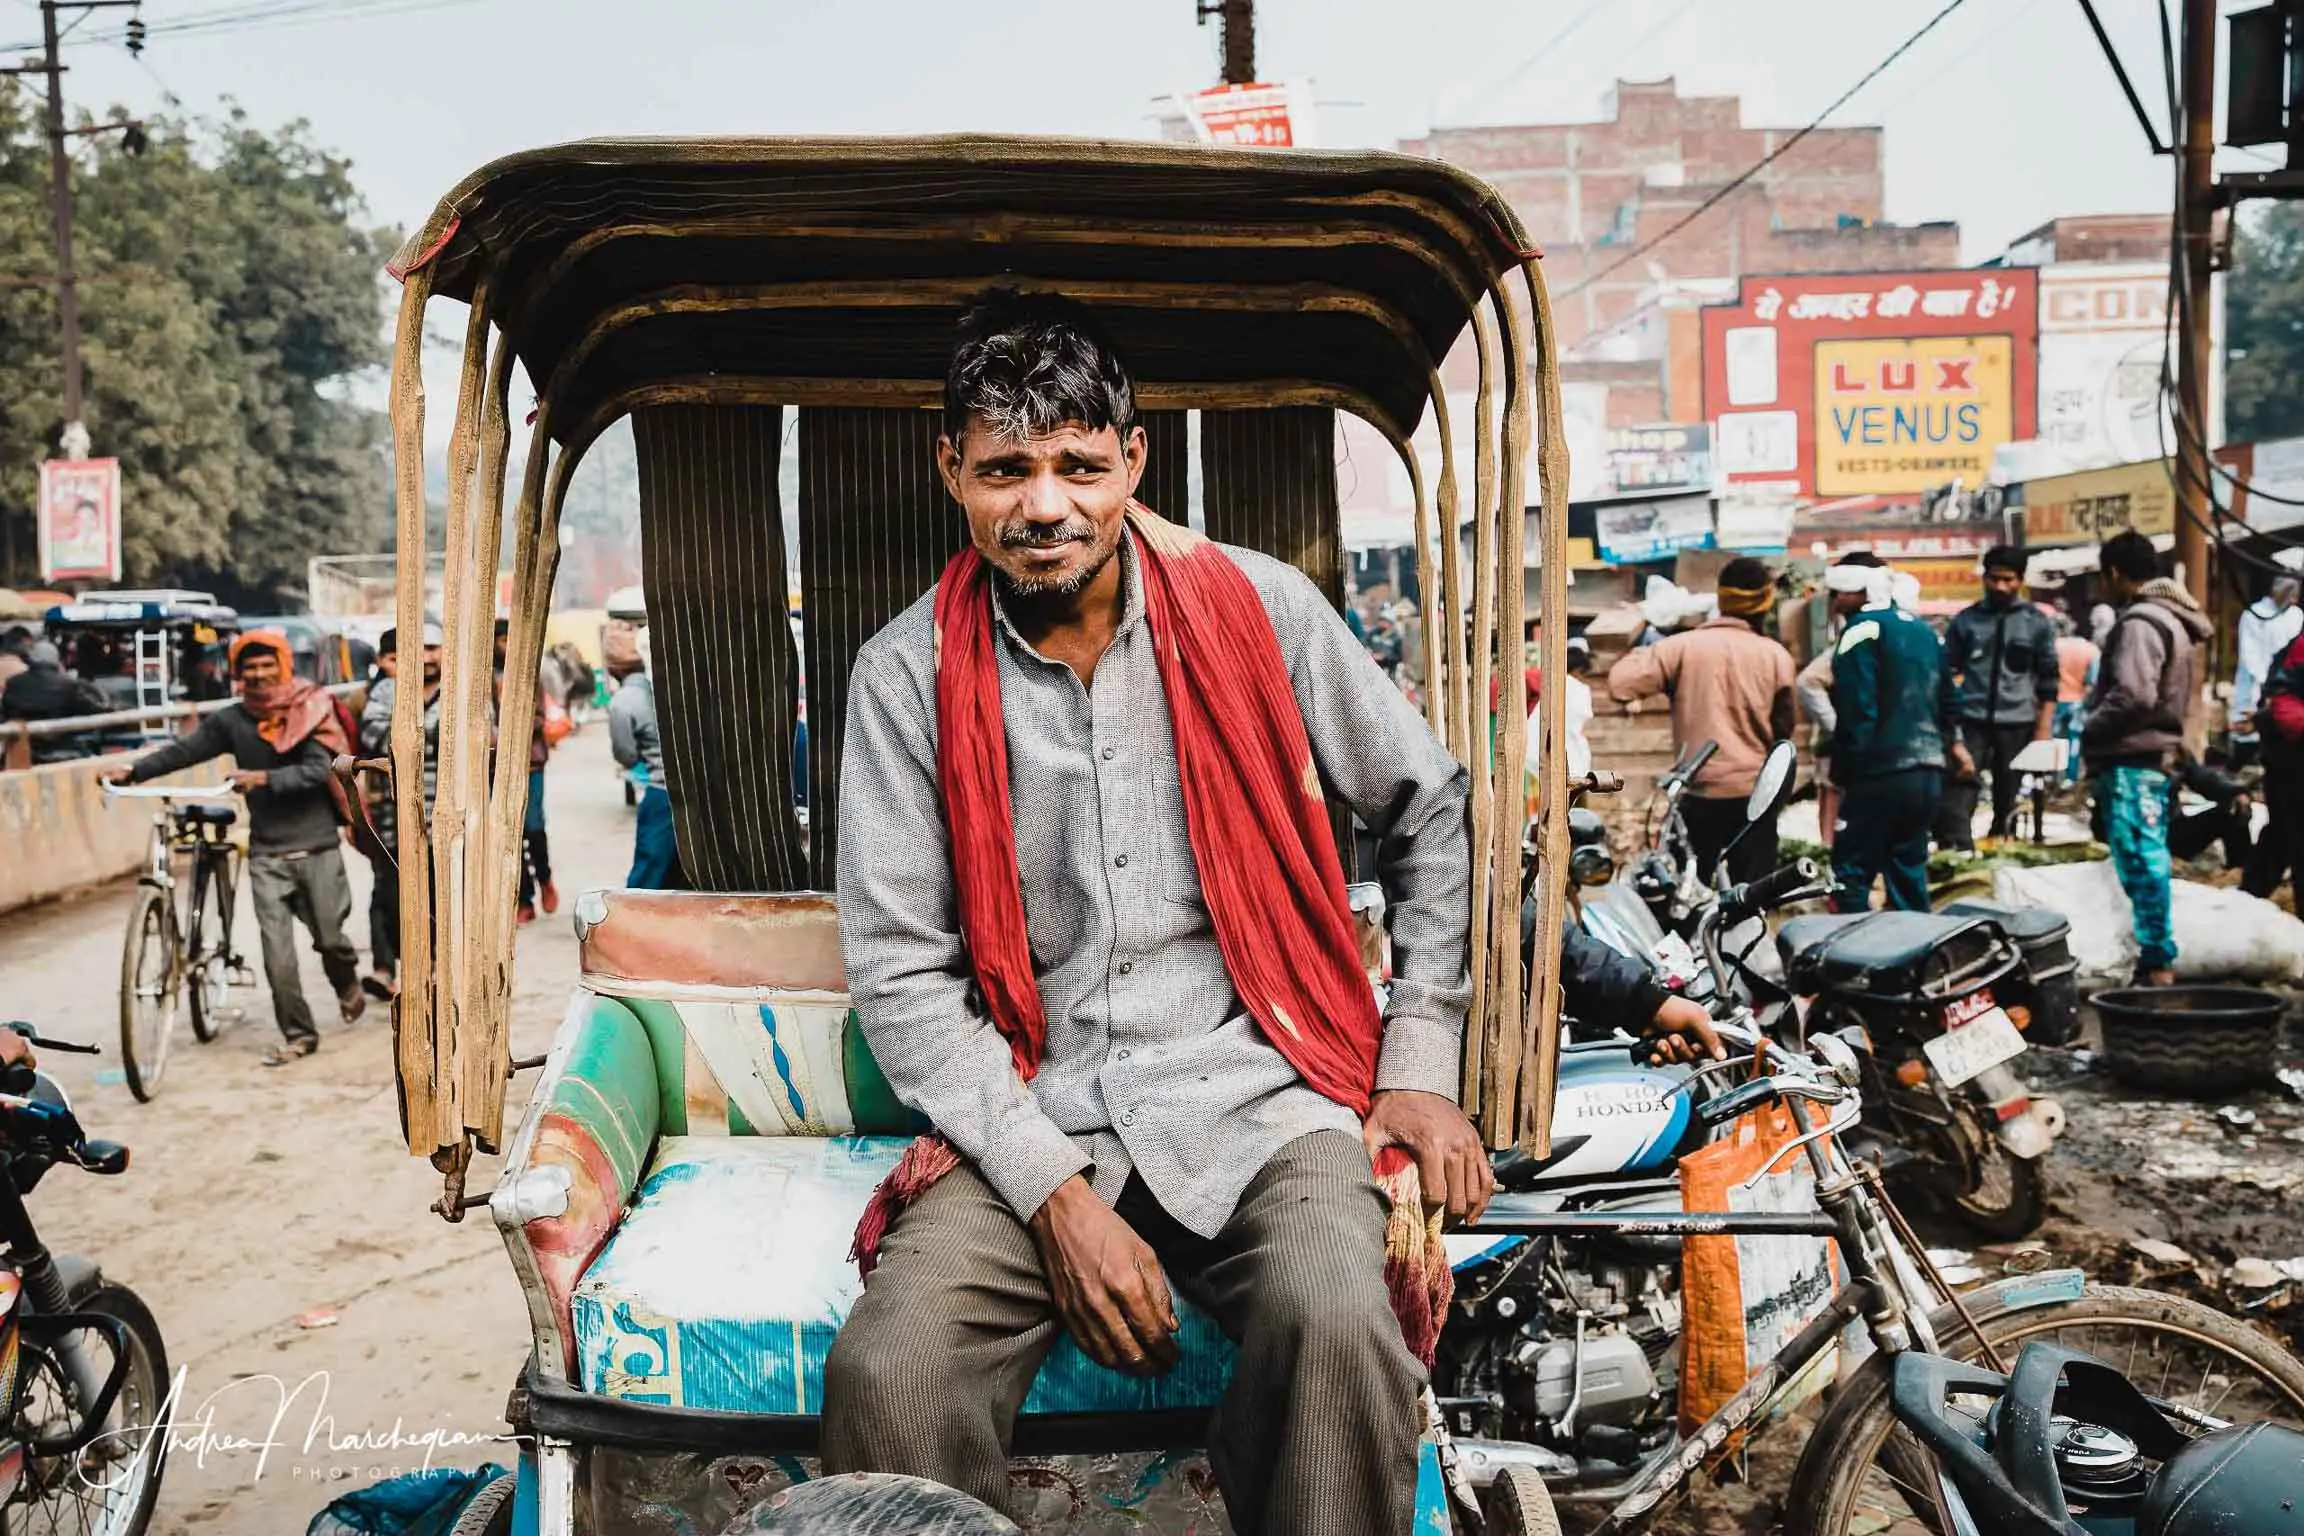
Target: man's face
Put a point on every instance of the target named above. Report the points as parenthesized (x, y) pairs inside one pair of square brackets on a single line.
[(431, 666), (2002, 587), (258, 669), (1848, 604), (1046, 512), (388, 663), (503, 644), (2119, 588)]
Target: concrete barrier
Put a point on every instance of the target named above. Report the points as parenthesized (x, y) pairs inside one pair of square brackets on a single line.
[(59, 834)]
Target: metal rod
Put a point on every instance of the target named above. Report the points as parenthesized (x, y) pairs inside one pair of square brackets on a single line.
[(1658, 1223), (2120, 73)]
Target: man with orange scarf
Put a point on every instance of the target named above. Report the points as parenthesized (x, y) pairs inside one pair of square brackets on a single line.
[(283, 736)]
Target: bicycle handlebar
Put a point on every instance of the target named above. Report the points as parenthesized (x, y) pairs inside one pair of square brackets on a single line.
[(170, 792), (1770, 890)]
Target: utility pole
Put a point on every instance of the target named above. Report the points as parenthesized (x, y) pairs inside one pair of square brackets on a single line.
[(74, 439), (1239, 22), (2196, 206)]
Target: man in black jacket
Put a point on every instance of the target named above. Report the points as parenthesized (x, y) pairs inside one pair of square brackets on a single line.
[(2000, 675), (278, 736)]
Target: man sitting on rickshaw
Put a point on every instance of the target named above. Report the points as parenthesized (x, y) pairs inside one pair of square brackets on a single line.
[(1095, 929)]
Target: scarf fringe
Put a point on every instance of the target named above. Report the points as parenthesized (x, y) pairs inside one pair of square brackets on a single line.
[(928, 1159)]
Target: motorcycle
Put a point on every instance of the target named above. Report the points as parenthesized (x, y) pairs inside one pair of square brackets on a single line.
[(84, 1384), (2069, 1446), (1944, 1005)]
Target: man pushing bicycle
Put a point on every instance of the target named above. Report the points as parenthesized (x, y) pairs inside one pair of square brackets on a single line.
[(283, 735)]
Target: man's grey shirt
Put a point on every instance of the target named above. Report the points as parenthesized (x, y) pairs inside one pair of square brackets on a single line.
[(1150, 1064)]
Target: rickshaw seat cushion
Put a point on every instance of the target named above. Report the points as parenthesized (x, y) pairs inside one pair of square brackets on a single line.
[(729, 1276)]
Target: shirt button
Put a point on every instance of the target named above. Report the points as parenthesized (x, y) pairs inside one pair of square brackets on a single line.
[(1109, 754), (1120, 861), (1125, 967), (1128, 1118), (1121, 1054)]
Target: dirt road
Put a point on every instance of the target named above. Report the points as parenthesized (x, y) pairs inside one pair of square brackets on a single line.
[(257, 1199)]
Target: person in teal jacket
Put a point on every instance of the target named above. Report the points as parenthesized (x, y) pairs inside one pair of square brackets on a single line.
[(1888, 742)]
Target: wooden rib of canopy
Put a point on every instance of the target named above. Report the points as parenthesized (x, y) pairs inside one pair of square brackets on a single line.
[(621, 274)]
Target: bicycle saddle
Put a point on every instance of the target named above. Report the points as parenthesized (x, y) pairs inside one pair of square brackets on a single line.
[(212, 815)]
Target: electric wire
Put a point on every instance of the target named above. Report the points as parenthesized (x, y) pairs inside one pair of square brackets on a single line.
[(1722, 192)]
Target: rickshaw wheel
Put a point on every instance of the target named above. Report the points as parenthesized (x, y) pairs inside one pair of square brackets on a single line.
[(1518, 1504)]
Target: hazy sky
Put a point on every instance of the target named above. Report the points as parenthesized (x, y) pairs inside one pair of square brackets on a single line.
[(2002, 118)]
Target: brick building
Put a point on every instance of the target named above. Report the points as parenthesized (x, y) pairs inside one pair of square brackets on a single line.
[(1592, 192)]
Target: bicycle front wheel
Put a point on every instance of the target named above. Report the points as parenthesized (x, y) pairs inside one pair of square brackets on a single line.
[(1862, 1471), (148, 991), (108, 1487)]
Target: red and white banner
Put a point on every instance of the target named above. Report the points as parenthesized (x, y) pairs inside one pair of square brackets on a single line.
[(79, 520), (1268, 116)]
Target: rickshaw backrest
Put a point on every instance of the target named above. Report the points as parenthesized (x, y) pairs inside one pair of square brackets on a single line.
[(746, 1010)]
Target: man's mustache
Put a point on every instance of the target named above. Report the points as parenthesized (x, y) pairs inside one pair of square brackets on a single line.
[(1073, 530)]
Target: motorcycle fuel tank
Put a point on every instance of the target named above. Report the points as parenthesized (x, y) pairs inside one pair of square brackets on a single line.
[(1613, 1114)]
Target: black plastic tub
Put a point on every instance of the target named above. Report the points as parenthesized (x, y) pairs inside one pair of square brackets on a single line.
[(2191, 1040)]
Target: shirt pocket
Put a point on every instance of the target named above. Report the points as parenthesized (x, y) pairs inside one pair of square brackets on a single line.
[(2019, 658), (1179, 867)]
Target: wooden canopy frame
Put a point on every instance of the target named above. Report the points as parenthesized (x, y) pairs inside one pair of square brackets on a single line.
[(624, 273)]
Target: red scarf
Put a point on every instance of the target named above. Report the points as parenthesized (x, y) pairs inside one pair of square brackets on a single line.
[(1260, 837)]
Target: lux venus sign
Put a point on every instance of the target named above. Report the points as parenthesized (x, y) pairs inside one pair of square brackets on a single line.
[(1904, 415)]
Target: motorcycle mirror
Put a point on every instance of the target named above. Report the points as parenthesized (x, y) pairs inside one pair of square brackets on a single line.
[(1775, 779), (1837, 1055)]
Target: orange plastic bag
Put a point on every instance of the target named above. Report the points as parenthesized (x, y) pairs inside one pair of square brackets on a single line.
[(1744, 1298)]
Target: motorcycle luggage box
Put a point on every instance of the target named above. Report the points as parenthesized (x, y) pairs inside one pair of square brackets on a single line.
[(2045, 936), (1916, 957)]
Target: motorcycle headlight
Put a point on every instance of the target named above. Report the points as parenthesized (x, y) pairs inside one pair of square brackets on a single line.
[(1591, 866)]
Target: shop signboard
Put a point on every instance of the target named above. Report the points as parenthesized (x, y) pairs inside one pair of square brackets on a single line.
[(1872, 383), (1268, 115), (1632, 532), (1666, 456), (2091, 506), (2103, 339)]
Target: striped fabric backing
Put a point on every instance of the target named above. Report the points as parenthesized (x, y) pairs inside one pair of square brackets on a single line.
[(1269, 479), (875, 529), (712, 566)]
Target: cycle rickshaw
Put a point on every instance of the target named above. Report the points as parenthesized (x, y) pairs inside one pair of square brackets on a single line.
[(678, 1196)]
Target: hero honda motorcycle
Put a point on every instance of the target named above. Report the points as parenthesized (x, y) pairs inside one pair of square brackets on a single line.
[(1944, 1005)]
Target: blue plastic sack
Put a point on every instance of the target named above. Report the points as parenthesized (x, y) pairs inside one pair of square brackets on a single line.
[(413, 1504)]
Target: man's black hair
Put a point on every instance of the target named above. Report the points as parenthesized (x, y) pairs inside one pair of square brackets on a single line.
[(1863, 558), (1029, 362), (503, 628), (388, 643), (2003, 557), (2130, 554), (1744, 571), (13, 636)]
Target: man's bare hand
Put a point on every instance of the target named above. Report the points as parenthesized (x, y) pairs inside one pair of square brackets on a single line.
[(1451, 1163), (1682, 1032), (1106, 1282), (1963, 766), (246, 779)]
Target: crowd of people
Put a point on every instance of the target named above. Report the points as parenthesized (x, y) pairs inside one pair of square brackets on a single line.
[(1914, 728)]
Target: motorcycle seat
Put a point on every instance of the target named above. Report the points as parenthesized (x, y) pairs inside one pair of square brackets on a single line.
[(1884, 952), (2237, 1479)]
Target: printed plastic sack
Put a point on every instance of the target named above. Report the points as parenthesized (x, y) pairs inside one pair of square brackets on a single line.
[(2221, 934), (1745, 1298)]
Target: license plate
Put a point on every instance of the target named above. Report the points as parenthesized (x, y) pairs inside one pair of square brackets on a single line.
[(1975, 1047)]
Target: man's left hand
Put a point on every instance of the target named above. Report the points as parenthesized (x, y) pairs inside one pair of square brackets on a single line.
[(1451, 1163), (246, 779), (1682, 1032)]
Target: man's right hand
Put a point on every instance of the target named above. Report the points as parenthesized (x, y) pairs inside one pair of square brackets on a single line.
[(116, 774), (1963, 766), (1106, 1282)]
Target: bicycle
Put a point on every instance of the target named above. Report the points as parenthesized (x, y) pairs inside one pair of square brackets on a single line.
[(166, 957)]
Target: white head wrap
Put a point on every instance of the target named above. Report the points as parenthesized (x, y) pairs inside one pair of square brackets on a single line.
[(1848, 578), (1904, 590)]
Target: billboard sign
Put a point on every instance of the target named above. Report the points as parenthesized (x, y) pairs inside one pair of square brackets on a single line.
[(1667, 456), (1267, 116), (1877, 383), (79, 518), (2091, 506), (2103, 338)]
